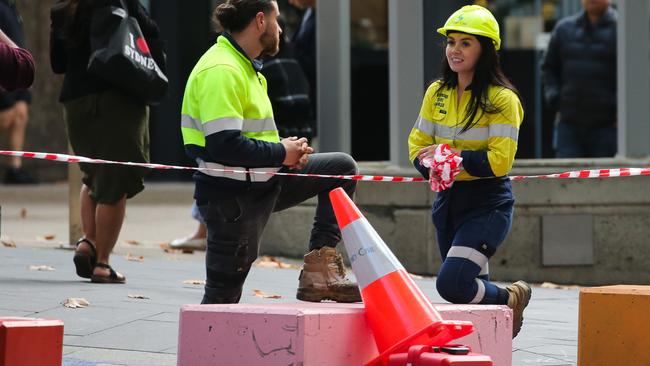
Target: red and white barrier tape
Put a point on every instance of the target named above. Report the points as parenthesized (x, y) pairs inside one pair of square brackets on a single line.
[(594, 173), (582, 174), (82, 159)]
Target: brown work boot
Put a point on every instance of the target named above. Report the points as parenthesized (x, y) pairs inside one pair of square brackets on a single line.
[(517, 301), (323, 278)]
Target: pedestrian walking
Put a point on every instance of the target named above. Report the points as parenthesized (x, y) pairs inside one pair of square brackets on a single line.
[(103, 121)]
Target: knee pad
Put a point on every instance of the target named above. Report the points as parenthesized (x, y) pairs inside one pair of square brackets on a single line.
[(456, 281)]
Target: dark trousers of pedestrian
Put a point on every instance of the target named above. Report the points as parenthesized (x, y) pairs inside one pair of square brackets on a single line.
[(579, 141), (235, 222)]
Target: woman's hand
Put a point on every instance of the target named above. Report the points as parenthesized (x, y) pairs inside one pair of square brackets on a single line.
[(429, 151)]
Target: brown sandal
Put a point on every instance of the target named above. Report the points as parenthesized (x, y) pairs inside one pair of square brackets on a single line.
[(113, 277), (85, 262)]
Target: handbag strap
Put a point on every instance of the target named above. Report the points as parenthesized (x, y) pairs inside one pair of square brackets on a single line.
[(126, 9)]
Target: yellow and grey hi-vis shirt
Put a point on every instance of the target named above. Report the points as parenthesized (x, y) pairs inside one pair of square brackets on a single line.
[(488, 149), (227, 118)]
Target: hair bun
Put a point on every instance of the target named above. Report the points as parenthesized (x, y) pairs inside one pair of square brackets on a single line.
[(226, 15)]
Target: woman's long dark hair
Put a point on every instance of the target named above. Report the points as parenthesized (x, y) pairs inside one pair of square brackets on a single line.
[(486, 72)]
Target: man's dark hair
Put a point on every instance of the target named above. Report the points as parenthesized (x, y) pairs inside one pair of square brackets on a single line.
[(235, 15)]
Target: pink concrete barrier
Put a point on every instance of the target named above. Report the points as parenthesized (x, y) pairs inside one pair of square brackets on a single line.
[(314, 334)]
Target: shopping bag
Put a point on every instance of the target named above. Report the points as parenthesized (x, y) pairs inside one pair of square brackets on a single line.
[(120, 55)]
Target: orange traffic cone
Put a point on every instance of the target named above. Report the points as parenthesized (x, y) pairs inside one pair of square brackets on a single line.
[(397, 311)]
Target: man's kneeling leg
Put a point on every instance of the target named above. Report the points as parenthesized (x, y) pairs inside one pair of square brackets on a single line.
[(224, 287)]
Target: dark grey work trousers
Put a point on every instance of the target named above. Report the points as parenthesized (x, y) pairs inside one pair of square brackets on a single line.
[(235, 222)]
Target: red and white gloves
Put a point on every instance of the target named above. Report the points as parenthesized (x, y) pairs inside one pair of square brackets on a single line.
[(444, 165)]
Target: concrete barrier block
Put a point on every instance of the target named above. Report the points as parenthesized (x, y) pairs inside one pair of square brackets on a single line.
[(406, 194), (26, 341), (313, 334), (282, 238), (520, 255), (493, 329), (414, 241), (613, 326)]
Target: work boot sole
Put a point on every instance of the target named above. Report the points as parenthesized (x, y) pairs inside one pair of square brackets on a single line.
[(317, 295)]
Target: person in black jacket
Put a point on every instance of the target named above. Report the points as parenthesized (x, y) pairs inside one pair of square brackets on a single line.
[(579, 72), (104, 122), (304, 45), (289, 89)]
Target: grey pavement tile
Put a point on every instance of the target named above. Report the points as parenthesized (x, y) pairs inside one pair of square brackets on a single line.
[(94, 319), (140, 335), (68, 350), (112, 357), (173, 350), (29, 304), (547, 355), (13, 313), (165, 317)]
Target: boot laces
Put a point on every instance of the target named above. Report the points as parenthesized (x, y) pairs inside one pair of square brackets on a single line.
[(336, 264)]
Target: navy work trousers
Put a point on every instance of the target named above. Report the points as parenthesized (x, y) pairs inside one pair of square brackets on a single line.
[(466, 248)]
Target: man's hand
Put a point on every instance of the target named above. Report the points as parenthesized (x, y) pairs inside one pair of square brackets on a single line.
[(297, 152)]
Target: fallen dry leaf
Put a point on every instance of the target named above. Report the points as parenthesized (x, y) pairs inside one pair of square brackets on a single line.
[(194, 282), (23, 213), (46, 237), (134, 258), (8, 243), (262, 294), (168, 249), (132, 242), (135, 296), (552, 285), (41, 268), (268, 261), (76, 302)]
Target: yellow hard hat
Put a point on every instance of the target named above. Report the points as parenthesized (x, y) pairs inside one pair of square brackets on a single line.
[(476, 20)]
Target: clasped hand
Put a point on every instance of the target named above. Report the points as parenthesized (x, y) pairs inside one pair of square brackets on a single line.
[(297, 152)]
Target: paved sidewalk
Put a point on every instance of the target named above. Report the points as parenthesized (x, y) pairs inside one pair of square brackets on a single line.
[(118, 330)]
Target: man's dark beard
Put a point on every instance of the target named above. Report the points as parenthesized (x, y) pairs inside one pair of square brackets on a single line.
[(271, 48)]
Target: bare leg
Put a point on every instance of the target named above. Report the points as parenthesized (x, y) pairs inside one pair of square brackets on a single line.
[(108, 221), (6, 121), (17, 131), (88, 208), (85, 253), (201, 231)]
